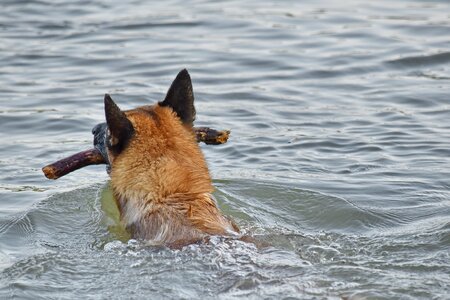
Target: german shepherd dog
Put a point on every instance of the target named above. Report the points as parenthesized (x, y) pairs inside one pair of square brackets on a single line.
[(159, 177)]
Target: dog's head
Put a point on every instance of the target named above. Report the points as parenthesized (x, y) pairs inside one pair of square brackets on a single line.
[(154, 141)]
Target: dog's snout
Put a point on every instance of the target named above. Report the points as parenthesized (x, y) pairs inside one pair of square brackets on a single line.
[(99, 132), (97, 128)]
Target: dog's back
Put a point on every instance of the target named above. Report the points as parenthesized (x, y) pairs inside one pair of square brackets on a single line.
[(159, 176)]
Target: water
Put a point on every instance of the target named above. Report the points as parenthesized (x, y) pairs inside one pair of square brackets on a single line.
[(339, 156)]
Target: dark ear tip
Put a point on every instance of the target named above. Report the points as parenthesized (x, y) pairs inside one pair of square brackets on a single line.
[(107, 98), (110, 106), (183, 74)]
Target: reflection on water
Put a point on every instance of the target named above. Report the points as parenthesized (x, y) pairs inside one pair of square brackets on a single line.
[(339, 155)]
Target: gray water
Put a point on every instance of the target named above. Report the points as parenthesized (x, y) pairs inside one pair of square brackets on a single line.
[(339, 156)]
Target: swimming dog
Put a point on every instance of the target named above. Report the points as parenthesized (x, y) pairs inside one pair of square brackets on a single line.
[(159, 176)]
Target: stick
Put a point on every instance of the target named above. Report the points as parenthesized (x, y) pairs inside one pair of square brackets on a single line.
[(94, 157), (72, 163), (211, 136)]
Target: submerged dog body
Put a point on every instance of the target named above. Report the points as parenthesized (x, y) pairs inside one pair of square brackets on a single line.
[(159, 176)]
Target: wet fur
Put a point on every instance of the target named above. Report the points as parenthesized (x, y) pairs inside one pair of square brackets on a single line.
[(159, 175)]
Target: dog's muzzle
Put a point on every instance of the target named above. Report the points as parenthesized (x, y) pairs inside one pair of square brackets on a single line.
[(99, 132)]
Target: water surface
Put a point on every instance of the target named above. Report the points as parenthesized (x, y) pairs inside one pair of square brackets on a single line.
[(339, 155)]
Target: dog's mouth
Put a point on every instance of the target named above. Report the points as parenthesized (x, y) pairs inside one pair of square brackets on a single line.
[(99, 132)]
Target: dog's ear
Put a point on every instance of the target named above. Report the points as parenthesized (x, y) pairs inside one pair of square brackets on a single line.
[(120, 128), (180, 98)]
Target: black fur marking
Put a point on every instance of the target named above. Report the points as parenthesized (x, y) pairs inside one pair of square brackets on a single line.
[(180, 98)]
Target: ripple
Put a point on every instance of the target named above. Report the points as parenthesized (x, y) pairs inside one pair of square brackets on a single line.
[(421, 61), (146, 25)]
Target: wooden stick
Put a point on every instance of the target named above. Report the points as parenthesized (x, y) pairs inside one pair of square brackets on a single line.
[(72, 163), (94, 157), (211, 136)]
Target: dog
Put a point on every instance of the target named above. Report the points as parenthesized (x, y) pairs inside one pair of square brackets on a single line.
[(159, 176)]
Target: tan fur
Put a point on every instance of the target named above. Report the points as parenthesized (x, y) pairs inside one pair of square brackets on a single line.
[(161, 182)]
